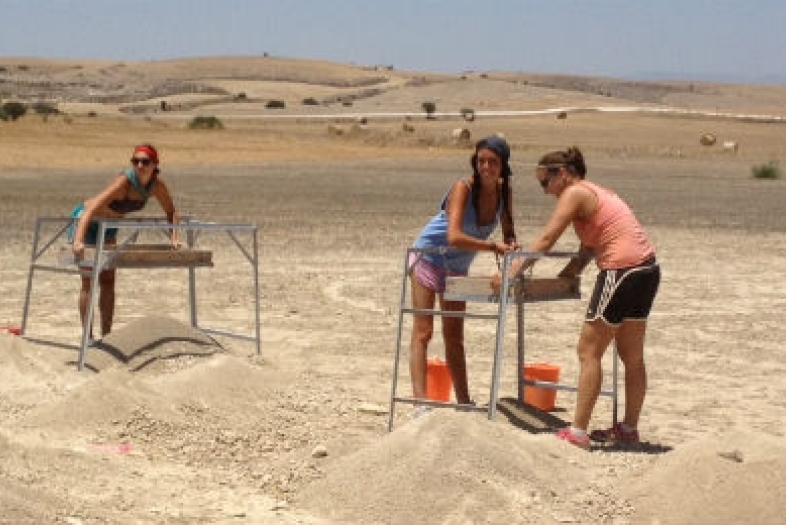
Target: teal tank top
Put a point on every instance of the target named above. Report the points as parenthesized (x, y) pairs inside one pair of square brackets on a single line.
[(128, 205)]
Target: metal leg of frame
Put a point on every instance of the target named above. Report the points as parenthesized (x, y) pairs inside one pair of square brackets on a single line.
[(256, 292), (33, 257), (498, 349), (98, 262), (192, 308), (520, 349), (402, 302)]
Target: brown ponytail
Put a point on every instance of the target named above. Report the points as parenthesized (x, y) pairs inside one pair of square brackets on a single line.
[(572, 159)]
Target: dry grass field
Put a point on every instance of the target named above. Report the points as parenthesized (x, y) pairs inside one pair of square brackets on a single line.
[(208, 431)]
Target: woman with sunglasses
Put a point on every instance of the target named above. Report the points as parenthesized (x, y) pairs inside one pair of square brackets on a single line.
[(624, 291), (126, 193), (469, 213)]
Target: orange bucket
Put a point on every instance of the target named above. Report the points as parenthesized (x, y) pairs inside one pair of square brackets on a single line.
[(438, 381), (542, 398)]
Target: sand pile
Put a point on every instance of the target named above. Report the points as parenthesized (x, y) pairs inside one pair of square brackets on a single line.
[(451, 467), (735, 476), (152, 344), (160, 405)]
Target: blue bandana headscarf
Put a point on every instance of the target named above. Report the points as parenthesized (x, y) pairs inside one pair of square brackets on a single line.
[(499, 146)]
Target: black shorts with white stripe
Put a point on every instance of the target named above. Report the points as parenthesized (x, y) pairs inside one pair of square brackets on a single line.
[(624, 294)]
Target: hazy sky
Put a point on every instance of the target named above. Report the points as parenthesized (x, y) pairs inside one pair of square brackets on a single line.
[(727, 40)]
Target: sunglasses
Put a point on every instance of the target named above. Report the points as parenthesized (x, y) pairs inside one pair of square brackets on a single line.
[(551, 172), (144, 161)]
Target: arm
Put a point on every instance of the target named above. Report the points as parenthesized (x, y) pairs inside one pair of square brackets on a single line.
[(114, 190), (570, 205), (510, 242), (508, 227), (164, 198)]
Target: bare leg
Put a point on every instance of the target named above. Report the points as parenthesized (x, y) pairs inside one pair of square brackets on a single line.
[(453, 334), (422, 330), (106, 300), (630, 346), (595, 338)]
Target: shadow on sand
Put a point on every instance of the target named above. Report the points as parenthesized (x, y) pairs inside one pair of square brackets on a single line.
[(536, 421)]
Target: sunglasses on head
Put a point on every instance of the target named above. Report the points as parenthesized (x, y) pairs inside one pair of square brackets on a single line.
[(144, 161)]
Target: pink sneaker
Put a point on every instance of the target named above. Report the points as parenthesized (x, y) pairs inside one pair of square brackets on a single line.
[(565, 434), (616, 434)]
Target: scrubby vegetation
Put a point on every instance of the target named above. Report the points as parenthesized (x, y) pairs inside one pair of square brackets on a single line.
[(44, 108), (770, 170), (429, 108), (205, 122), (12, 110)]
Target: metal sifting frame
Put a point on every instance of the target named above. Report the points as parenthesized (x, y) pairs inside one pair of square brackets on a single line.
[(122, 256), (513, 289)]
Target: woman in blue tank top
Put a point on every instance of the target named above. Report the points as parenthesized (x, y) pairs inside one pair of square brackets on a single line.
[(469, 213), (128, 192)]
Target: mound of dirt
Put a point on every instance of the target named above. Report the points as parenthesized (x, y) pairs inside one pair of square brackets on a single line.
[(451, 467), (152, 344), (733, 477), (448, 467)]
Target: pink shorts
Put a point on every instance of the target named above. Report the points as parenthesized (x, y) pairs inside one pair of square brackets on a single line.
[(429, 274)]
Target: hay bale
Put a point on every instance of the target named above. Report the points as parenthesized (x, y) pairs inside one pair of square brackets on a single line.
[(461, 134)]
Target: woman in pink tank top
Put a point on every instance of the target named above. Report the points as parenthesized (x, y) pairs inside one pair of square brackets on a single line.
[(624, 291)]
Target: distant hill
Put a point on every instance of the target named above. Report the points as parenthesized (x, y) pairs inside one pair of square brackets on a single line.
[(261, 78)]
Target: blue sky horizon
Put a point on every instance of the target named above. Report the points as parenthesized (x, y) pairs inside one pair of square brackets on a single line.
[(693, 40)]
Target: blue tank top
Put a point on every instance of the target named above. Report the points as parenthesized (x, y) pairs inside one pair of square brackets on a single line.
[(435, 235)]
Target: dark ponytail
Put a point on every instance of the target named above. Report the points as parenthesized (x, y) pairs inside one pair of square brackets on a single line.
[(575, 161)]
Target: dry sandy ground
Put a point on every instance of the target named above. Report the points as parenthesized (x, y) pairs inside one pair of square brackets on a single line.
[(168, 425)]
